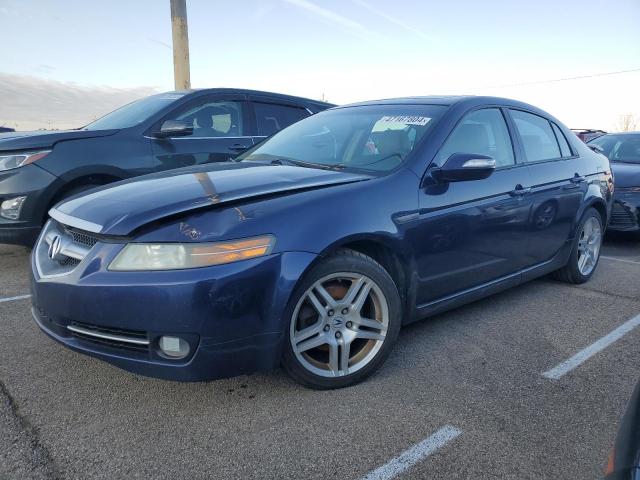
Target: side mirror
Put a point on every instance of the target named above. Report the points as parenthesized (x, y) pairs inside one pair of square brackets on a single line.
[(461, 167), (174, 128), (596, 148)]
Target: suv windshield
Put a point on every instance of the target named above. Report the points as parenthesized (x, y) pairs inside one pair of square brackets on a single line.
[(134, 112), (374, 138), (620, 148)]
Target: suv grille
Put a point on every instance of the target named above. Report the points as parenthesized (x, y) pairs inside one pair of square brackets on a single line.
[(61, 249), (621, 217)]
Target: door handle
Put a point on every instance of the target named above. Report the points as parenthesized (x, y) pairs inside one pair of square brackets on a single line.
[(578, 179), (238, 147), (520, 191)]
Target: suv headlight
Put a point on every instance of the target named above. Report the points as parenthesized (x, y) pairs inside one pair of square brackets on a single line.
[(19, 159), (177, 256)]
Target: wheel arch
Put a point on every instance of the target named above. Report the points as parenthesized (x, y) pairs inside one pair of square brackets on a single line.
[(600, 206), (88, 179), (390, 254)]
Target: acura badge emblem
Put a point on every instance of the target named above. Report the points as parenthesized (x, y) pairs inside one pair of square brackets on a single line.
[(55, 247)]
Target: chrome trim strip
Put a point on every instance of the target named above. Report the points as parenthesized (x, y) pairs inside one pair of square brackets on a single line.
[(200, 138), (74, 221), (106, 336)]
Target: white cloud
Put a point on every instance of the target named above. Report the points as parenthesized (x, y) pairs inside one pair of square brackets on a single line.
[(391, 19), (351, 26), (30, 103)]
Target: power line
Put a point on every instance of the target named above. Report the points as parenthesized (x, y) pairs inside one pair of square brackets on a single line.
[(580, 77)]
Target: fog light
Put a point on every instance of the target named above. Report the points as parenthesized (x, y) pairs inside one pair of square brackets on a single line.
[(10, 209), (174, 347)]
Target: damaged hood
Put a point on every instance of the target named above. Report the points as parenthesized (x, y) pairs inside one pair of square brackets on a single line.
[(123, 207)]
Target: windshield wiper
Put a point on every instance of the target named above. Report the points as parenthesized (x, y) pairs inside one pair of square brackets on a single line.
[(301, 163)]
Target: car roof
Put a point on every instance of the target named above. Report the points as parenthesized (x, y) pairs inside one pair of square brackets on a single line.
[(243, 91), (463, 102), (449, 100)]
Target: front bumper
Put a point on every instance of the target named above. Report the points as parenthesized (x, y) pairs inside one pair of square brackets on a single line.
[(232, 315), (36, 184), (625, 215)]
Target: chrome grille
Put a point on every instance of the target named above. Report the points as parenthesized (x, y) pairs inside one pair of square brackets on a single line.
[(61, 249), (83, 238)]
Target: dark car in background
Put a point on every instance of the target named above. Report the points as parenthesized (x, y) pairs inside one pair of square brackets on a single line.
[(623, 150), (624, 460), (6, 129), (586, 134), (160, 132), (317, 245)]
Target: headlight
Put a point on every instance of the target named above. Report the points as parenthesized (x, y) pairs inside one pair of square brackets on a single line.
[(175, 256), (15, 160), (10, 209)]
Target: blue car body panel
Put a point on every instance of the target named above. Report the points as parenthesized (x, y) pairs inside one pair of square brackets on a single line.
[(446, 244)]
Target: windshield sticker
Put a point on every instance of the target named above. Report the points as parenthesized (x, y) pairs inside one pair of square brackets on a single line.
[(405, 119)]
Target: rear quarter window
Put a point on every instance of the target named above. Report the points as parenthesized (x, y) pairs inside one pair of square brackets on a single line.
[(538, 140), (272, 118)]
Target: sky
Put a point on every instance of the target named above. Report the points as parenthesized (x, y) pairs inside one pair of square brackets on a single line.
[(66, 62)]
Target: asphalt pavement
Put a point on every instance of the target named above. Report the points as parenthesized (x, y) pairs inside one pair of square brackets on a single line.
[(463, 395)]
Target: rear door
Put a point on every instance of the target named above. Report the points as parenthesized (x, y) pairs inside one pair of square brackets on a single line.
[(272, 115), (221, 130), (473, 232), (558, 183)]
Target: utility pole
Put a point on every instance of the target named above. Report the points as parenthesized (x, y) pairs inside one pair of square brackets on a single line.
[(180, 33)]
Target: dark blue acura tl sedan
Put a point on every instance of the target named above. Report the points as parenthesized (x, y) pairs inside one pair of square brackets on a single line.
[(313, 248)]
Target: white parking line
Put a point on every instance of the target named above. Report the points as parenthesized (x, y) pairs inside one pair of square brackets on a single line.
[(11, 299), (623, 260), (584, 355), (413, 455)]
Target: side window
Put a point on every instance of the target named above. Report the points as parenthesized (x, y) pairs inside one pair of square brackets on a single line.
[(214, 119), (483, 132), (272, 118), (538, 139), (562, 140)]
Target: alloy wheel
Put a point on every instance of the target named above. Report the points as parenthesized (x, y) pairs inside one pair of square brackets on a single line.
[(339, 324), (589, 245)]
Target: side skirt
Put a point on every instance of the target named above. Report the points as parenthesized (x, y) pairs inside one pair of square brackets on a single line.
[(495, 286)]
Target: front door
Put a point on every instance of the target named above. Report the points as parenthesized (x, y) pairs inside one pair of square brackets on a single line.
[(473, 232), (220, 132)]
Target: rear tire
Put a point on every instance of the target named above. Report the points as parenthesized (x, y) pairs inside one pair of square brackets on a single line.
[(344, 318), (585, 253)]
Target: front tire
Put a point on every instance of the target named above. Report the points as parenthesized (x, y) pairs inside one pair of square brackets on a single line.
[(345, 316), (586, 250)]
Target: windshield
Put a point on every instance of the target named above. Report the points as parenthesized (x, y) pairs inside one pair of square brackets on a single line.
[(134, 113), (620, 148), (374, 138)]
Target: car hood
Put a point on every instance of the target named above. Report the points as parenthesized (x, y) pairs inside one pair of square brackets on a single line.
[(45, 139), (122, 208), (626, 174)]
